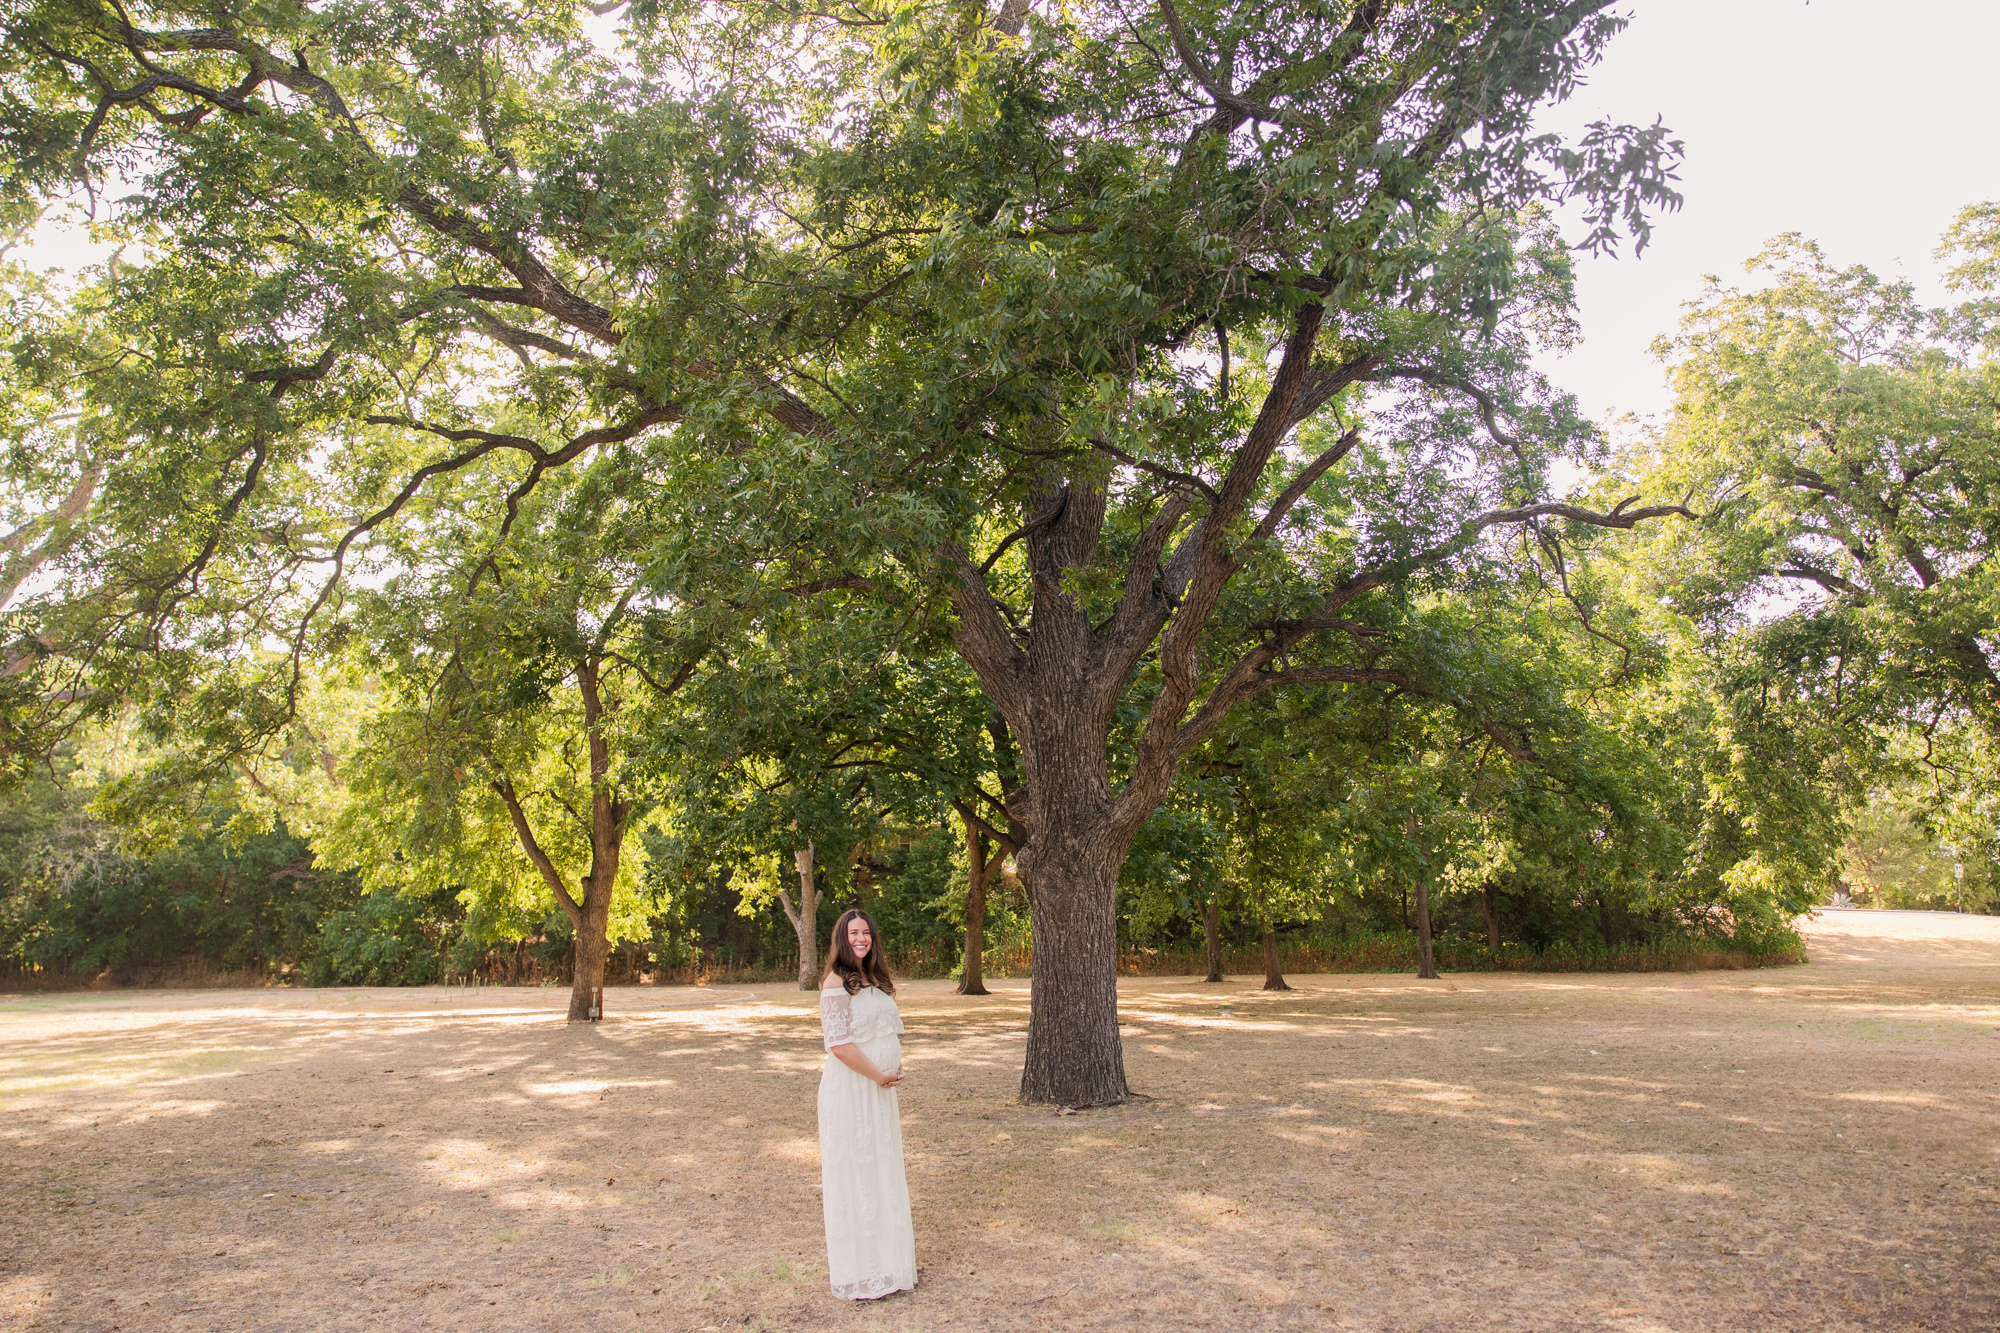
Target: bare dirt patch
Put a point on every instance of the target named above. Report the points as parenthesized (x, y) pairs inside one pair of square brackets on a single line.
[(1800, 1148)]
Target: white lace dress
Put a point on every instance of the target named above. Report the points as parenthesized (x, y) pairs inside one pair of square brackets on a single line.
[(871, 1249)]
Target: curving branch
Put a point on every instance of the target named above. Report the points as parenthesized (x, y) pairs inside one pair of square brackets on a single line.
[(972, 817), (1327, 379), (1346, 47), (1512, 748), (1247, 681), (1554, 549), (1302, 483), (484, 443), (1161, 471), (984, 637), (539, 288), (1489, 406), (1217, 86), (1831, 582), (40, 539), (1618, 517), (504, 789), (1041, 520)]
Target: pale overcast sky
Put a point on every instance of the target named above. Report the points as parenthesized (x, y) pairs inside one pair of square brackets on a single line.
[(1864, 126)]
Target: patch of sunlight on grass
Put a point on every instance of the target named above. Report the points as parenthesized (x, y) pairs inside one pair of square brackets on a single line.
[(799, 1149)]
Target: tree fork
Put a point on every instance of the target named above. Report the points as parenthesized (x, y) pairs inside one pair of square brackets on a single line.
[(804, 917)]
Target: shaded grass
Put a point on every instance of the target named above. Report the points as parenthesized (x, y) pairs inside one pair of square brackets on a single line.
[(1397, 952), (1386, 951)]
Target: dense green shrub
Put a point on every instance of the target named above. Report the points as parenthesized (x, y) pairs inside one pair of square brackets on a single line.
[(74, 904), (386, 939)]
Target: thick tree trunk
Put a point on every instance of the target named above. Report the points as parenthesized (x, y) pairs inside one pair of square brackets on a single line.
[(1426, 963), (979, 873), (1491, 901), (1211, 912), (1274, 976), (1074, 1057)]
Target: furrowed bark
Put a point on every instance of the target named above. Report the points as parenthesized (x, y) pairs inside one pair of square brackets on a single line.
[(1074, 1057)]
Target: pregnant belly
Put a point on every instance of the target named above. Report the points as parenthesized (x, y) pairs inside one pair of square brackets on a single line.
[(885, 1053)]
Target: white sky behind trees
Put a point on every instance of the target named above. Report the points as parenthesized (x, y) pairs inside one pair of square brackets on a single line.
[(1862, 124)]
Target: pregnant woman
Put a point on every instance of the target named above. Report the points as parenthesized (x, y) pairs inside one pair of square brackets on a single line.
[(870, 1247)]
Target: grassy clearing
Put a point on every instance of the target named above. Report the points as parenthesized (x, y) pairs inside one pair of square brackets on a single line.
[(1753, 1152)]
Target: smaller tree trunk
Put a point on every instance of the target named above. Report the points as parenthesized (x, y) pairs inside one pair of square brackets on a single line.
[(980, 868), (590, 915), (864, 878), (1211, 912), (1274, 978), (1491, 901), (804, 917), (1426, 963), (1405, 892), (587, 961)]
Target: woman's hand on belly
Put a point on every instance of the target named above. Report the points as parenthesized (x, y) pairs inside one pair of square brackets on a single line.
[(849, 1054)]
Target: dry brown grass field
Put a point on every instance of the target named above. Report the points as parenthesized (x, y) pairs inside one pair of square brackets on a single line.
[(1802, 1148)]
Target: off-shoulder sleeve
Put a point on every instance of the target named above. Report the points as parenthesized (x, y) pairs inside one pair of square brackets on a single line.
[(836, 1016)]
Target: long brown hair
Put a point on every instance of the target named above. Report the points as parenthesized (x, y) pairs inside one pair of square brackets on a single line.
[(854, 973)]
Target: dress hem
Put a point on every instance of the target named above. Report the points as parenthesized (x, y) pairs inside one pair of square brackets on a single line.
[(872, 1289)]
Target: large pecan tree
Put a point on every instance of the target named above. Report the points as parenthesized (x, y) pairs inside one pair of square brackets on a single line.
[(1168, 350)]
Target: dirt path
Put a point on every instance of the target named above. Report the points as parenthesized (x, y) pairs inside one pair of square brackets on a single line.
[(1802, 1148)]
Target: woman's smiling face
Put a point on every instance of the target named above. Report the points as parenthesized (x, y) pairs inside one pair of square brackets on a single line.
[(860, 939)]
